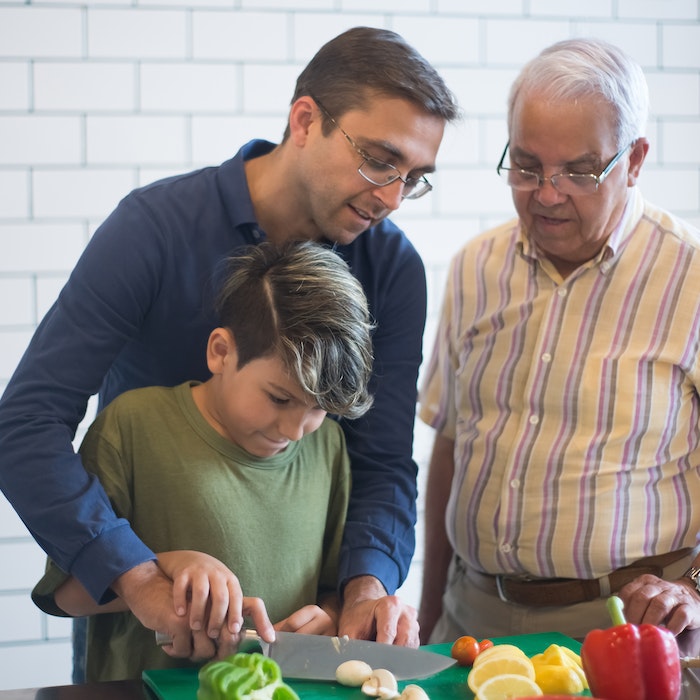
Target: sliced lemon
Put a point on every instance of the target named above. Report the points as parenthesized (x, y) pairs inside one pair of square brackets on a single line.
[(556, 679), (560, 656), (498, 666), (508, 685), (572, 655), (498, 650)]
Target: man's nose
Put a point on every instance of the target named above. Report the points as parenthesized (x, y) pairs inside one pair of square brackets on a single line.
[(391, 195), (547, 194)]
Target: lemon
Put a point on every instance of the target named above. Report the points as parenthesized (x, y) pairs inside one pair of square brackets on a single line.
[(558, 679), (567, 661), (508, 685), (500, 665), (572, 656), (553, 654), (498, 650)]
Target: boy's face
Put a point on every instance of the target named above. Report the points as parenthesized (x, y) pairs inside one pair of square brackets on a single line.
[(259, 407)]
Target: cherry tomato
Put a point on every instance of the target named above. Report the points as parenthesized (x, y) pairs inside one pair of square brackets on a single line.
[(465, 650), (485, 644)]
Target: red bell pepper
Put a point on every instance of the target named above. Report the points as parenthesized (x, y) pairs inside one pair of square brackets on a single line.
[(631, 662)]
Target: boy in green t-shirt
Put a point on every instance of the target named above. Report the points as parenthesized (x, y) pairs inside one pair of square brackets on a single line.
[(240, 483)]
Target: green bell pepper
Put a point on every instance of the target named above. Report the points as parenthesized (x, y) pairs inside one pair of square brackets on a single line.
[(243, 677)]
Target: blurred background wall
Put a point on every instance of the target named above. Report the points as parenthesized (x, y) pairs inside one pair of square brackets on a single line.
[(99, 97)]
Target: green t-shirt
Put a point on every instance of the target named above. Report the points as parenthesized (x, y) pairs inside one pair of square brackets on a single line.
[(276, 522)]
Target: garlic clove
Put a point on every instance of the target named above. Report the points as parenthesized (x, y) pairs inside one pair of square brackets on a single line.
[(353, 673), (381, 684), (413, 692)]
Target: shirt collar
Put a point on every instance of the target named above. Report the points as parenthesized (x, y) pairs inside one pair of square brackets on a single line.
[(234, 188)]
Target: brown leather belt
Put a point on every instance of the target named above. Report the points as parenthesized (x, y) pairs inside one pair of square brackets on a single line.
[(539, 593)]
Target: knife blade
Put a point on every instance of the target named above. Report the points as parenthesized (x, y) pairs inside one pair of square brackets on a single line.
[(316, 657)]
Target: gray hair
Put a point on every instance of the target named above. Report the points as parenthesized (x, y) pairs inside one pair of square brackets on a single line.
[(300, 302), (580, 68)]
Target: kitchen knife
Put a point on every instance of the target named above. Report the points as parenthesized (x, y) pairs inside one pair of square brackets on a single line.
[(316, 657)]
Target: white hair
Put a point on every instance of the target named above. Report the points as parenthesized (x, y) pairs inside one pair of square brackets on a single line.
[(584, 68)]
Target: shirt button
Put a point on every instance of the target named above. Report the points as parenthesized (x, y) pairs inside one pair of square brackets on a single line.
[(515, 483), (546, 357), (562, 292), (534, 420), (505, 548)]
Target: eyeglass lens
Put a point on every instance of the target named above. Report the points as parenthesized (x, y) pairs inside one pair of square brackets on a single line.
[(566, 183), (381, 174)]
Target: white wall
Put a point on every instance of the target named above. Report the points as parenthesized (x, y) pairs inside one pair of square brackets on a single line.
[(99, 97)]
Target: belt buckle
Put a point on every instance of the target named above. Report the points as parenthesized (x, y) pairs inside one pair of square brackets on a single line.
[(500, 589)]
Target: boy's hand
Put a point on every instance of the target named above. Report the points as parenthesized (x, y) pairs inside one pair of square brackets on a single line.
[(311, 619), (253, 608), (208, 588)]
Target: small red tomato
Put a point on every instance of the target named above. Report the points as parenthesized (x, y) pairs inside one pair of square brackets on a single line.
[(465, 650), (485, 644)]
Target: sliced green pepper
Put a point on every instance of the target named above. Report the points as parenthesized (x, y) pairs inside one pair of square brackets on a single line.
[(243, 677)]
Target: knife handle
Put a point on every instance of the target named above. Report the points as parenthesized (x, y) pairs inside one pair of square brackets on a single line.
[(249, 641)]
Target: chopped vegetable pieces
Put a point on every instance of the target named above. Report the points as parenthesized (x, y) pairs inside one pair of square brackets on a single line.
[(243, 677)]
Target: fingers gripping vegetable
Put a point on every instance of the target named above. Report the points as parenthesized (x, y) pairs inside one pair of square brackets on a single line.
[(631, 662), (243, 677)]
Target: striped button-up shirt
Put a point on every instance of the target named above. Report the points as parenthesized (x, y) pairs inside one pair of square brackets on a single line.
[(573, 402)]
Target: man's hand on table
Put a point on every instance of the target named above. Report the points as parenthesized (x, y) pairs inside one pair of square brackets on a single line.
[(649, 599), (369, 613)]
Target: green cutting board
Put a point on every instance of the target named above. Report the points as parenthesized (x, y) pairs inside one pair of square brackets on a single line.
[(451, 684)]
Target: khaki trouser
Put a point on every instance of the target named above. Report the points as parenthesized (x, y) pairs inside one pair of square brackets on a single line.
[(468, 610)]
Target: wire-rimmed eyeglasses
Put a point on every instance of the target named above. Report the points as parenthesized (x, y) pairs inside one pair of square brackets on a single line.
[(377, 171), (570, 184)]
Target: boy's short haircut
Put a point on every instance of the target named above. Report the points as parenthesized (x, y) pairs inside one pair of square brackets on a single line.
[(300, 302)]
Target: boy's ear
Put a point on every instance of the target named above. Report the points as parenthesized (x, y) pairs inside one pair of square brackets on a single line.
[(221, 350)]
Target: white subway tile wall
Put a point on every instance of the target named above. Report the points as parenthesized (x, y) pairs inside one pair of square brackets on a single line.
[(99, 97)]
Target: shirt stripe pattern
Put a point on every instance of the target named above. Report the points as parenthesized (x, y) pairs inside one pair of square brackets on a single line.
[(573, 402)]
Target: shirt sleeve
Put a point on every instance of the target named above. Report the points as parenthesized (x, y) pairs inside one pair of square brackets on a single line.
[(379, 538), (437, 398), (96, 313), (43, 594)]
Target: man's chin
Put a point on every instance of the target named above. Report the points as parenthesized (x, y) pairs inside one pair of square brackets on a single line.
[(344, 237)]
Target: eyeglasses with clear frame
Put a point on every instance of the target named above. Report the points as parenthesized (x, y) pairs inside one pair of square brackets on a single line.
[(570, 184), (377, 171)]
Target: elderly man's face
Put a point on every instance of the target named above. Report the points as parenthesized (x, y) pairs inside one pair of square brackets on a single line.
[(576, 137)]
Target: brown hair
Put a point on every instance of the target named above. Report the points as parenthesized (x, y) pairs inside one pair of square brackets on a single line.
[(301, 302), (363, 62)]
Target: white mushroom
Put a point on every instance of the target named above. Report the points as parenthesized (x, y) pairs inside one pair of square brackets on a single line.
[(413, 692), (381, 684), (353, 673)]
